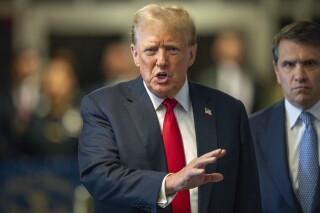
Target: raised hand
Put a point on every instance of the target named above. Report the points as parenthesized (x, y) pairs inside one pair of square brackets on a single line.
[(193, 175)]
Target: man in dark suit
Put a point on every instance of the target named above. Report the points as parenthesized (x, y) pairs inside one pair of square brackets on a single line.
[(278, 132), (124, 159)]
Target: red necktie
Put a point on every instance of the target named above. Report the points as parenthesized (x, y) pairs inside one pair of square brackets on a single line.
[(175, 154)]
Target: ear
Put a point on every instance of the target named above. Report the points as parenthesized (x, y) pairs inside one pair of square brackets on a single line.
[(135, 55), (276, 71), (192, 54)]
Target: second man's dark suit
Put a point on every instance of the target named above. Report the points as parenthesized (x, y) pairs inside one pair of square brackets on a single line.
[(122, 159), (268, 130)]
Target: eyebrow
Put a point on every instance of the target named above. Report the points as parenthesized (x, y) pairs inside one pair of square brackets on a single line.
[(299, 61)]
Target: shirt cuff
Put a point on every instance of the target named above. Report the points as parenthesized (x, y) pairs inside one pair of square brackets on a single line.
[(163, 199)]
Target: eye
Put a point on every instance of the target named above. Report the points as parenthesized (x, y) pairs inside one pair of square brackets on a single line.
[(173, 50), (288, 64), (150, 51), (311, 63)]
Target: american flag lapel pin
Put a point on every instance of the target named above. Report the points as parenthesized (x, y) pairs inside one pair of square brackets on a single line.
[(207, 111)]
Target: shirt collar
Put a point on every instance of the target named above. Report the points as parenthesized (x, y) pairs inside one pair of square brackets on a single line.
[(315, 110), (293, 112), (182, 97)]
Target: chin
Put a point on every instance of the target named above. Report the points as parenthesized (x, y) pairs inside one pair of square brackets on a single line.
[(160, 93), (304, 103)]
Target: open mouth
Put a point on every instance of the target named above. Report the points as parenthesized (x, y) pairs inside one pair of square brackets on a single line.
[(162, 75)]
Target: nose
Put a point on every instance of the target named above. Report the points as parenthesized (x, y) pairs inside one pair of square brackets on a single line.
[(162, 58), (299, 73)]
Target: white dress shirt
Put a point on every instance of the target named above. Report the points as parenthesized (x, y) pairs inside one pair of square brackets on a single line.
[(295, 129), (184, 115)]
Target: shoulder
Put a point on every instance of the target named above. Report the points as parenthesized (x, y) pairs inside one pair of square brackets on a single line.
[(226, 107), (111, 97), (275, 111), (202, 90), (118, 91)]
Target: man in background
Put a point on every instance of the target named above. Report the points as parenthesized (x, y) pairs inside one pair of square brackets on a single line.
[(229, 71), (286, 135)]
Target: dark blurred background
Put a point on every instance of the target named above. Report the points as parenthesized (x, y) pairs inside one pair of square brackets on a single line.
[(52, 52)]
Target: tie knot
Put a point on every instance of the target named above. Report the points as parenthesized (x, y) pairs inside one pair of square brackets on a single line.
[(306, 117), (169, 103)]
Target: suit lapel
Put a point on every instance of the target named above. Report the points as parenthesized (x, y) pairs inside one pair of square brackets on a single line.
[(144, 117), (206, 136), (274, 148)]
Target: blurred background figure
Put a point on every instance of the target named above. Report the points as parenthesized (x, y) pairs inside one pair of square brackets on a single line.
[(116, 64), (19, 100), (229, 71), (55, 126), (44, 176)]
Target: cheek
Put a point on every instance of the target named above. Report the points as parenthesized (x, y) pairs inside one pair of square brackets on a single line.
[(182, 73), (284, 82), (315, 81), (146, 70), (143, 61), (145, 74), (147, 63), (283, 78)]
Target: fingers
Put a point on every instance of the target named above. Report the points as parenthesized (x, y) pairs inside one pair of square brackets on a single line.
[(215, 153), (203, 162), (214, 177), (210, 157), (193, 175)]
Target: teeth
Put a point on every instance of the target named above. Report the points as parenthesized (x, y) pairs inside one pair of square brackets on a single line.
[(162, 75)]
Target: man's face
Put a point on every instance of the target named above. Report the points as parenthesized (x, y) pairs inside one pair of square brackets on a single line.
[(298, 73), (163, 56)]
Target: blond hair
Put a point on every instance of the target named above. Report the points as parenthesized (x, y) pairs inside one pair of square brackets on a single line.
[(175, 17)]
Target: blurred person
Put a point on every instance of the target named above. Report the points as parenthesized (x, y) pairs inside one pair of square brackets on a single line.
[(19, 100), (286, 134), (117, 64), (132, 155), (55, 127), (229, 72)]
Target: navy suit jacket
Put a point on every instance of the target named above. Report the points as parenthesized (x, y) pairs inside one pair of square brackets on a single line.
[(269, 135), (122, 160)]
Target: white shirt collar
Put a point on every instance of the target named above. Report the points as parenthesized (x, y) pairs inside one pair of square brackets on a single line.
[(182, 97), (293, 112)]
